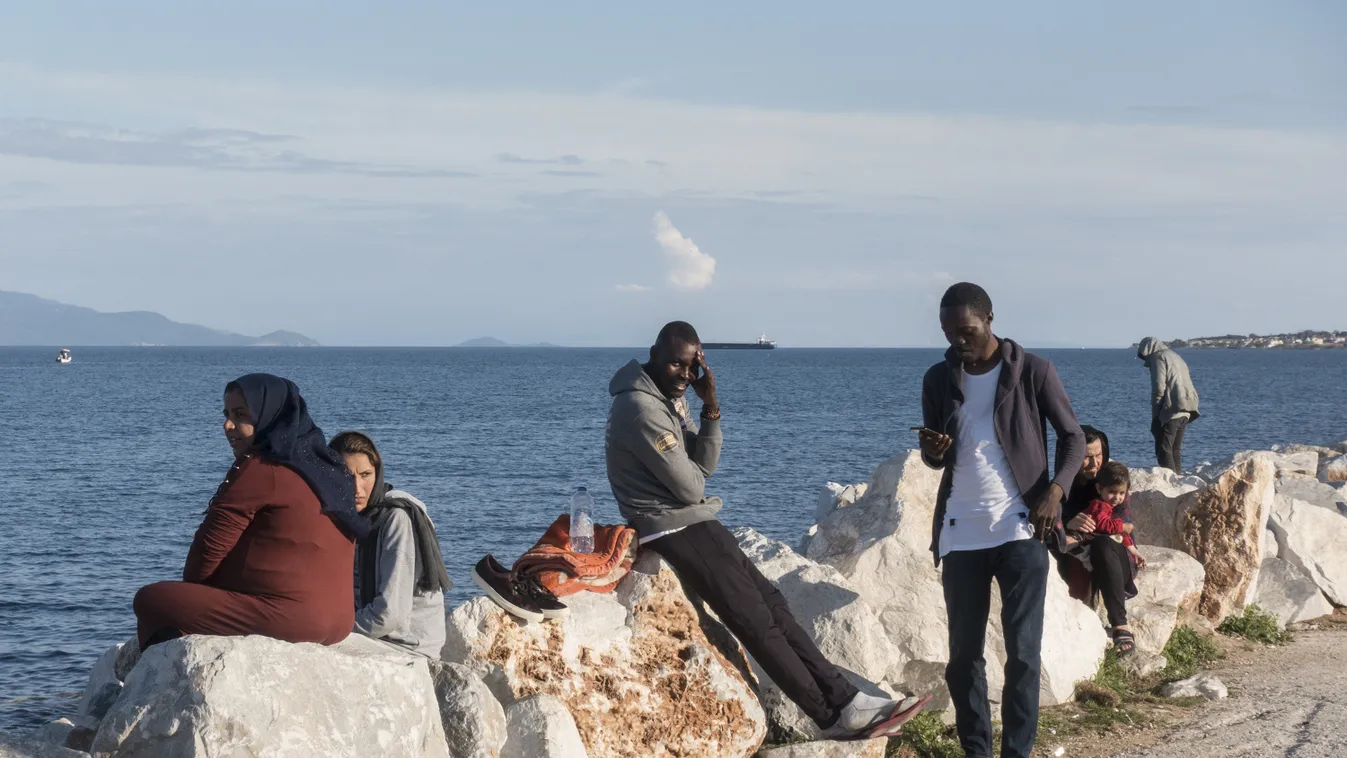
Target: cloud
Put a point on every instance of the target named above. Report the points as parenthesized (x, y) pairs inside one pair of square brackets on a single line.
[(565, 160), (689, 267), (219, 149), (631, 288)]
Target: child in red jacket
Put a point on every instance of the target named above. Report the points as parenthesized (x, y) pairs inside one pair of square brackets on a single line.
[(1109, 511)]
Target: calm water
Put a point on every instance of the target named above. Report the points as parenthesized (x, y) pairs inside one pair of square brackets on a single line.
[(107, 463)]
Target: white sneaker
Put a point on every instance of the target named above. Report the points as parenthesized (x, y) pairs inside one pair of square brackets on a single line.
[(867, 716)]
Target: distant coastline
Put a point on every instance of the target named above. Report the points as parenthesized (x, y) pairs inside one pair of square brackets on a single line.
[(1306, 340)]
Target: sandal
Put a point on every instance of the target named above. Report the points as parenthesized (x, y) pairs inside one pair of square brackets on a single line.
[(1123, 641)]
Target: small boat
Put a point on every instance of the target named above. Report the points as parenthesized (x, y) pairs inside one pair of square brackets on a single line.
[(63, 356)]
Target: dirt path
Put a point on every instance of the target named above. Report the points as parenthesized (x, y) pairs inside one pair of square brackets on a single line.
[(1288, 702)]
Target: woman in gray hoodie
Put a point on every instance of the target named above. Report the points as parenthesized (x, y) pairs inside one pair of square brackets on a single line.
[(400, 577)]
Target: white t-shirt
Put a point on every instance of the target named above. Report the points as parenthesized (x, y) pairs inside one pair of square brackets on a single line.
[(985, 507)]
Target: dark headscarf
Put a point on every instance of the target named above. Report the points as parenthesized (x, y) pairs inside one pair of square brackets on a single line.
[(284, 434), (430, 572)]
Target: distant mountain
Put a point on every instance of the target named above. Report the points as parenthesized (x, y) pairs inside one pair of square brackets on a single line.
[(31, 320), (493, 342)]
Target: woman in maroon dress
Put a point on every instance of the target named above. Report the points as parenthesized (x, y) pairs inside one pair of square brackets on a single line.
[(275, 553)]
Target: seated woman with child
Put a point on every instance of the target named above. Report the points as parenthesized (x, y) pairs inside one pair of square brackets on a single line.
[(274, 554)]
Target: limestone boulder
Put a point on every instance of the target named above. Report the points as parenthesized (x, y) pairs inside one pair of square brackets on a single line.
[(1314, 492), (1285, 592), (881, 545), (831, 611), (1319, 450), (858, 749), (834, 496), (634, 668), (1220, 525), (1169, 586), (104, 686), (540, 726), (226, 696), (1203, 685), (1142, 664), (473, 719), (1289, 461), (1311, 538), (12, 746), (1333, 470), (1153, 500)]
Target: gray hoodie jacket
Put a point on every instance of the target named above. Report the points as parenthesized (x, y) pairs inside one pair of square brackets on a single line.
[(657, 467), (1172, 390), (399, 614)]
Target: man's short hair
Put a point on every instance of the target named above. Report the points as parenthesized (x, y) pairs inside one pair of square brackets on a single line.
[(970, 296), (678, 331), (1092, 435), (1112, 474)]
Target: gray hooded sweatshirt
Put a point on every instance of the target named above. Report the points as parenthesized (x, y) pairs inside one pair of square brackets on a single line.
[(400, 614), (1172, 391), (658, 462)]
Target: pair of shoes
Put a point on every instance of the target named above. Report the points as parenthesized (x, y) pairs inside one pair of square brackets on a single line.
[(522, 596), (868, 717)]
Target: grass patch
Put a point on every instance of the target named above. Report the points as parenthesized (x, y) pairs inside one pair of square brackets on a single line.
[(1255, 625), (926, 736), (1113, 674), (1188, 652)]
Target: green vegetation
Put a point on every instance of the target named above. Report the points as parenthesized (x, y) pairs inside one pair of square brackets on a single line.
[(1256, 625), (926, 736), (1187, 653)]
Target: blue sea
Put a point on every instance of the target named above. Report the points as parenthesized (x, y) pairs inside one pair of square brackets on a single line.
[(107, 463)]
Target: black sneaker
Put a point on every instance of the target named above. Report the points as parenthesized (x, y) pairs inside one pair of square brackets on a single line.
[(542, 598), (499, 584)]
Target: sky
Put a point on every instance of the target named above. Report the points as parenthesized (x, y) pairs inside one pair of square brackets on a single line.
[(423, 173)]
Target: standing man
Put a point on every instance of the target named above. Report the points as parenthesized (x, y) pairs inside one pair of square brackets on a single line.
[(986, 408), (658, 462), (1173, 401)]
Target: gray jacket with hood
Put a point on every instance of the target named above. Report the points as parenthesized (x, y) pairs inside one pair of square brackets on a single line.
[(400, 613), (657, 461), (1172, 390)]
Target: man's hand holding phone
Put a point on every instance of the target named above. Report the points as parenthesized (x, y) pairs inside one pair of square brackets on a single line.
[(934, 445)]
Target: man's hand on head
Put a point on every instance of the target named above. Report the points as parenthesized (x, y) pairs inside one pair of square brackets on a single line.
[(705, 387)]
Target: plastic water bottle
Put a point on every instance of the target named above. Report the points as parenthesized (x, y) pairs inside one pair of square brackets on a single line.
[(582, 521)]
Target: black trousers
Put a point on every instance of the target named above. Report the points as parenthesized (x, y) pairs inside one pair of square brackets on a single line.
[(1020, 569), (1111, 571), (1169, 442), (708, 560)]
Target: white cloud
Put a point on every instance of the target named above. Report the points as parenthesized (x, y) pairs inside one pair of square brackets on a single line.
[(689, 267), (632, 288)]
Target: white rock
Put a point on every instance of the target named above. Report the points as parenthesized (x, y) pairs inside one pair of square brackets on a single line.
[(54, 732), (1314, 492), (1319, 450), (1220, 525), (1142, 664), (1333, 470), (1170, 584), (103, 687), (20, 747), (834, 496), (831, 610), (858, 749), (541, 727), (881, 544), (1300, 461), (473, 719), (1202, 685), (1288, 594), (228, 696), (1270, 549), (634, 668), (1311, 538)]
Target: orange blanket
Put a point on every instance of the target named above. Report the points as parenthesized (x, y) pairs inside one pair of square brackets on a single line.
[(565, 572)]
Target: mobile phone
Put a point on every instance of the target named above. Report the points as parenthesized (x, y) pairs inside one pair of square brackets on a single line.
[(920, 429)]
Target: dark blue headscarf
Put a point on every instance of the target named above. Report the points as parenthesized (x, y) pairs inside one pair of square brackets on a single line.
[(285, 435)]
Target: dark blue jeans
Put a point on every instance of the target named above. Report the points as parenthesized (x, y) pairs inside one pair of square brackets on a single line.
[(1020, 568)]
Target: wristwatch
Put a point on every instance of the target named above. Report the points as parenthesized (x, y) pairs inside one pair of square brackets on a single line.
[(711, 413)]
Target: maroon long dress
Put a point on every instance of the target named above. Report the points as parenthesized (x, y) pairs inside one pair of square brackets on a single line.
[(266, 560)]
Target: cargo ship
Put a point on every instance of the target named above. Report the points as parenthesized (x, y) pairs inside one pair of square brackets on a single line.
[(762, 344)]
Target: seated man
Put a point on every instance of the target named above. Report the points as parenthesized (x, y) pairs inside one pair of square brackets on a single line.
[(658, 461), (400, 577)]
